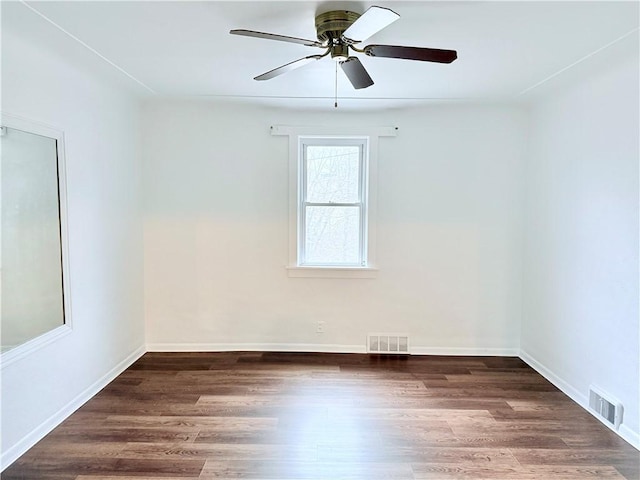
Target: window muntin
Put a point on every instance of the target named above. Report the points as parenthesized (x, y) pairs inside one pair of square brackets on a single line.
[(332, 210)]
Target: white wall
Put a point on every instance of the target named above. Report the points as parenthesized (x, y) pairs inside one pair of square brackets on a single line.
[(216, 232), (580, 305), (105, 240)]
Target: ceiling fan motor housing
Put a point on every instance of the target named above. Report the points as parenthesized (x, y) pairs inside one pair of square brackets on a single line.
[(331, 25)]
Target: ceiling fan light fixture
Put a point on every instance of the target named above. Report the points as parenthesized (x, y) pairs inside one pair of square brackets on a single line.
[(339, 52)]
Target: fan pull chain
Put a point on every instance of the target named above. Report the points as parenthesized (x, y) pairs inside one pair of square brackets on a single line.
[(336, 87)]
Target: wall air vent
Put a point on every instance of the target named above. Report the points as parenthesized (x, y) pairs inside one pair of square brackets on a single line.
[(388, 343), (604, 407)]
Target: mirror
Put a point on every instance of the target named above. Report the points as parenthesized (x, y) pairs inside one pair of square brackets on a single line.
[(33, 253)]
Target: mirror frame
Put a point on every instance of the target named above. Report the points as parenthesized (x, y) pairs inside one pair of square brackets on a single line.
[(36, 343)]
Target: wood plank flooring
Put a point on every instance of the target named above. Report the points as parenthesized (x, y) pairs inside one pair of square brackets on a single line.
[(289, 416)]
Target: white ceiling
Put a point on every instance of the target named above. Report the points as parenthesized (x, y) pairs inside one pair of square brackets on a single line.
[(505, 49)]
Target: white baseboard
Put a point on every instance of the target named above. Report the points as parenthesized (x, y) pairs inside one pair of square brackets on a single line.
[(255, 347), (633, 438), (320, 348), (563, 385), (466, 351), (630, 436), (38, 433)]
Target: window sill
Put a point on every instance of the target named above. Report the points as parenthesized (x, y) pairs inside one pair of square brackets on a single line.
[(332, 272), (30, 346)]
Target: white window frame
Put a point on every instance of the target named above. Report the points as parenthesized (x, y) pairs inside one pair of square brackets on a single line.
[(31, 346), (296, 136), (361, 203)]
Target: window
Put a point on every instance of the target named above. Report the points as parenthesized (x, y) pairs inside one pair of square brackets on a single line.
[(332, 200), (332, 210), (34, 256)]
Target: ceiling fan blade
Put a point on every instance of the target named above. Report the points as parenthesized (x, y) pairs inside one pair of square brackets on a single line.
[(288, 67), (369, 23), (411, 53), (356, 73), (280, 38)]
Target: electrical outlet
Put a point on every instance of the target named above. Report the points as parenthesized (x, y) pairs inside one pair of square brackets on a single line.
[(320, 327)]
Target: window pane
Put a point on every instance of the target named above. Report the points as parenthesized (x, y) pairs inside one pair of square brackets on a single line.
[(332, 235), (31, 290), (332, 173)]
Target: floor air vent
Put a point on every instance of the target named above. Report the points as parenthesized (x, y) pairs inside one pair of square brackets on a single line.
[(607, 409), (388, 343)]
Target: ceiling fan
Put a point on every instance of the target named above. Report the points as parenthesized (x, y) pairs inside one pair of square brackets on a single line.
[(340, 30)]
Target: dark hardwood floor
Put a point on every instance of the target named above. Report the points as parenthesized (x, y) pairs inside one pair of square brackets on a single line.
[(328, 416)]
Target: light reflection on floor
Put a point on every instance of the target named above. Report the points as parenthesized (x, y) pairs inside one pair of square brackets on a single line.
[(327, 439)]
